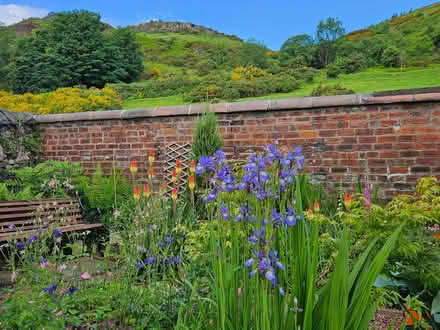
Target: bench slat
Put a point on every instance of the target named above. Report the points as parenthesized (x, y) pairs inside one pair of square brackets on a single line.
[(36, 214), (37, 202), (27, 226), (77, 227), (67, 210), (23, 222), (20, 208)]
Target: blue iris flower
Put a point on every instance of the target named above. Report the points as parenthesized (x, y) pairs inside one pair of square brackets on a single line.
[(71, 291), (150, 260), (56, 233), (19, 245), (225, 212), (51, 288)]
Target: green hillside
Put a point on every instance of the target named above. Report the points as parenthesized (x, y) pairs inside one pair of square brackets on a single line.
[(416, 33), (188, 63)]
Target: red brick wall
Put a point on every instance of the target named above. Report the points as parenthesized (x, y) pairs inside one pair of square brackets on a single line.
[(398, 135)]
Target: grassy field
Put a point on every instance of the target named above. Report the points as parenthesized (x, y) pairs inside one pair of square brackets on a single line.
[(372, 80)]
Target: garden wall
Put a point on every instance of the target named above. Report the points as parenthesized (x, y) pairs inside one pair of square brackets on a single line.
[(399, 135), (19, 141)]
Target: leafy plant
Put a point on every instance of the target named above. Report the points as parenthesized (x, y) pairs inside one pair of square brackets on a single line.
[(329, 90), (206, 138)]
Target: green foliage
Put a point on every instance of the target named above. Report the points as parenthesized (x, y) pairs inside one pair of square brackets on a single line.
[(176, 84), (355, 62), (73, 50), (414, 263), (297, 48), (206, 139), (327, 33), (49, 179), (7, 42), (105, 194), (216, 89), (328, 90), (391, 57), (333, 70), (254, 53)]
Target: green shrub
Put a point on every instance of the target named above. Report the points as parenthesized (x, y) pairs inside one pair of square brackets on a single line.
[(329, 90), (392, 57), (206, 138), (304, 73), (352, 63), (104, 194), (333, 70), (178, 84), (49, 179)]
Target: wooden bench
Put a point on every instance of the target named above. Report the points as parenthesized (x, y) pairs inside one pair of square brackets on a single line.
[(19, 219)]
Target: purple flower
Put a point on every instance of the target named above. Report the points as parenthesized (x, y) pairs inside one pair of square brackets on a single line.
[(167, 241), (56, 233), (285, 162), (280, 265), (270, 276), (225, 212), (238, 218), (299, 157), (12, 228), (206, 164), (264, 265), (290, 220), (253, 272), (253, 239), (51, 288), (249, 263), (19, 245), (150, 260), (71, 291), (139, 265), (242, 186), (32, 239), (264, 176), (220, 156)]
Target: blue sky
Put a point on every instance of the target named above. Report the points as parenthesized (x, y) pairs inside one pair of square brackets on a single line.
[(270, 22)]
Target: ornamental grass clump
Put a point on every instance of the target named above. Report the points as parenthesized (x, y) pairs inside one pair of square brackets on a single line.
[(264, 252)]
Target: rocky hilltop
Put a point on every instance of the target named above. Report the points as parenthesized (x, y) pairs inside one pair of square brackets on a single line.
[(176, 27)]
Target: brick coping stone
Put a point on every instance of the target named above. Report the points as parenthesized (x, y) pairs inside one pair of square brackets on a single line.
[(356, 100)]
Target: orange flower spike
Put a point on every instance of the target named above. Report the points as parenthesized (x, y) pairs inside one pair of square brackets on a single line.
[(413, 315), (178, 166), (151, 158), (316, 206), (192, 167), (347, 200), (437, 236), (309, 211), (164, 186), (147, 191), (191, 182), (174, 193), (137, 193), (150, 172), (133, 167), (174, 176)]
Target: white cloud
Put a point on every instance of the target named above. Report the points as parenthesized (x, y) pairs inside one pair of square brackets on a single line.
[(10, 14)]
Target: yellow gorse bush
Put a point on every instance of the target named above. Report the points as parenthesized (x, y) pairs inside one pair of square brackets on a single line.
[(248, 73), (63, 100)]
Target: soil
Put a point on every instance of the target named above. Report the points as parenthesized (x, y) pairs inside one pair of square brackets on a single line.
[(386, 317)]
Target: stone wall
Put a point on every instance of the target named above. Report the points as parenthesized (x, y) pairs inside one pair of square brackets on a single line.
[(399, 135), (18, 139)]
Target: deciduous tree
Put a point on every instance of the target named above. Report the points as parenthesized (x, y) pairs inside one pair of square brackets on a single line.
[(73, 50), (327, 33)]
